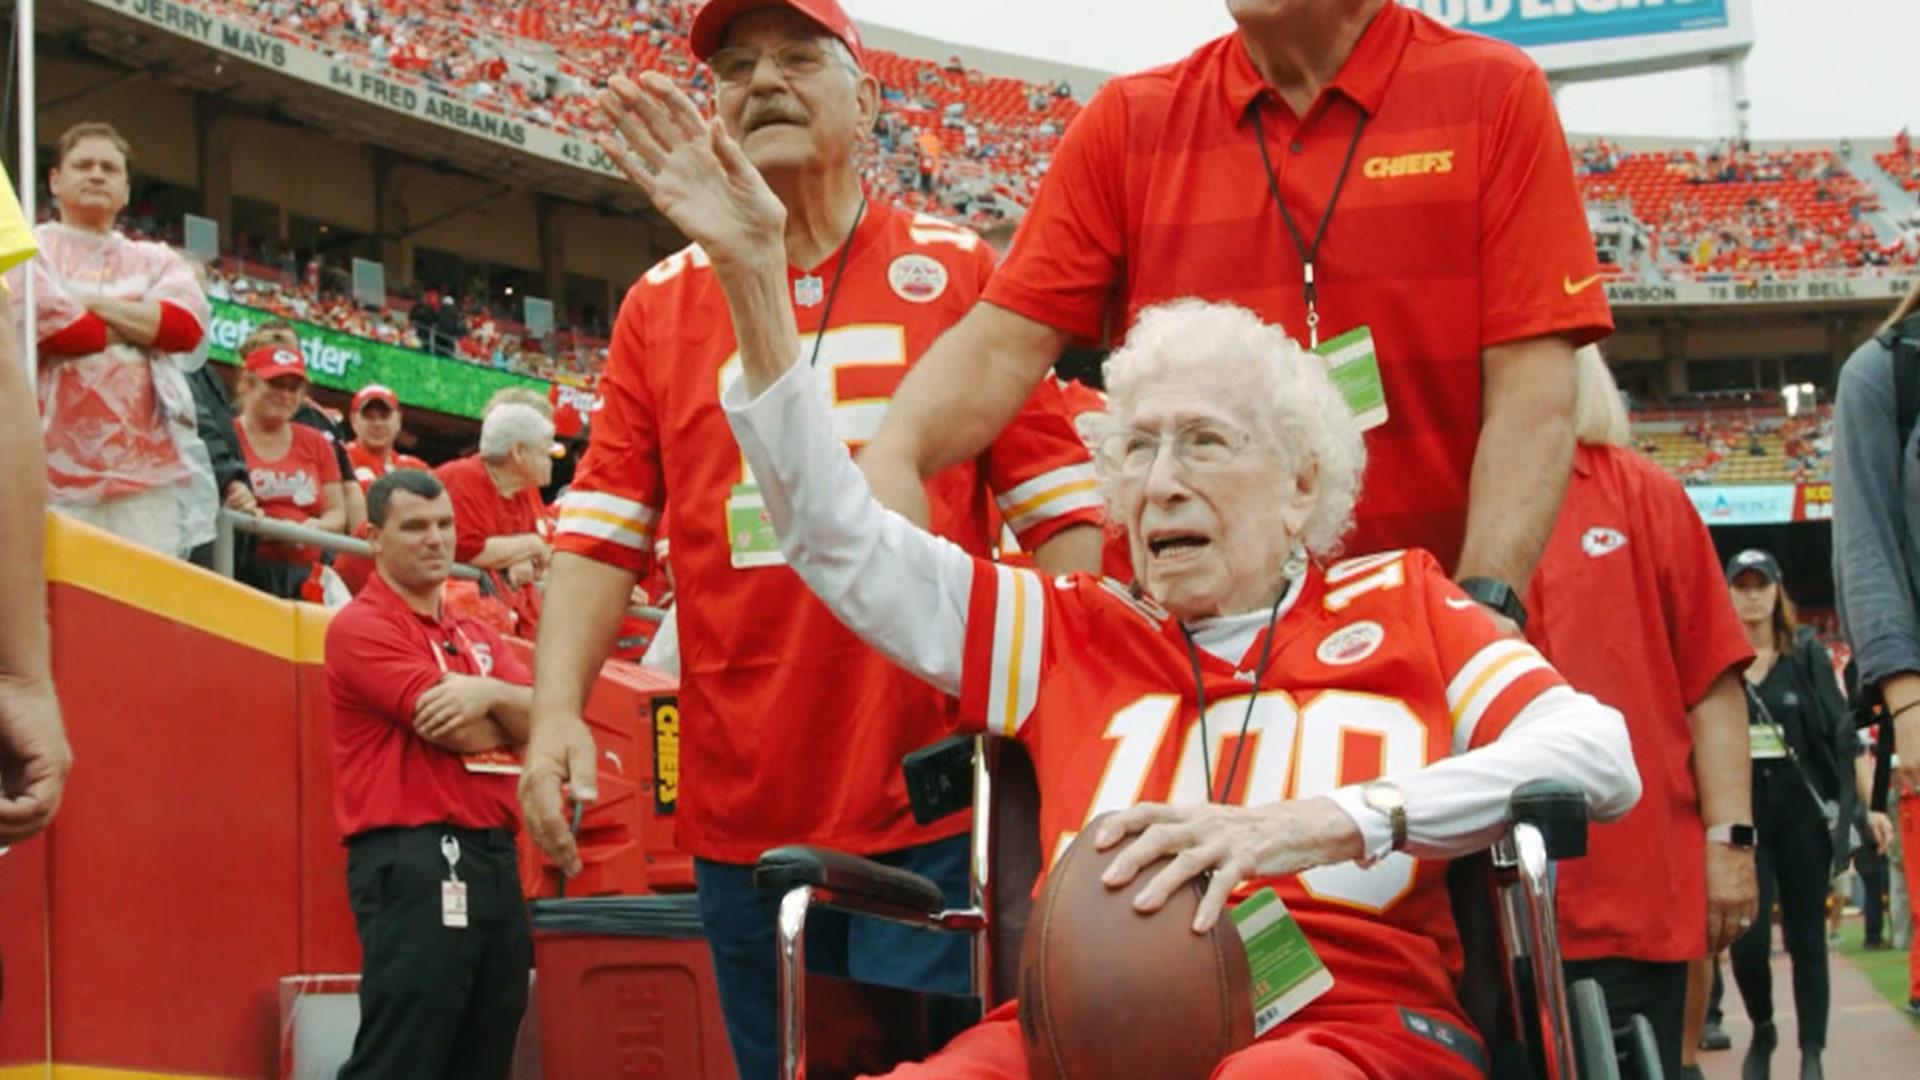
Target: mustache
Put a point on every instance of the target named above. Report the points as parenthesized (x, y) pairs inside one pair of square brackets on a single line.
[(772, 109)]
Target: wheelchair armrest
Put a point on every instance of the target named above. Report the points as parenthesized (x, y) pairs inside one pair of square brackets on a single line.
[(850, 882), (1558, 810)]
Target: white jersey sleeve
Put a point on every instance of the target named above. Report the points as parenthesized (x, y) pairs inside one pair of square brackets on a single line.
[(902, 589)]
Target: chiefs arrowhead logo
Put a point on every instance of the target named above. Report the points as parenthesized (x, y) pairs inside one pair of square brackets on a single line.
[(1601, 540), (1351, 643)]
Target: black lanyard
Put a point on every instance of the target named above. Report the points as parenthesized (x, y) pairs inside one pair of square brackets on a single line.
[(833, 287), (1308, 253), (1200, 693)]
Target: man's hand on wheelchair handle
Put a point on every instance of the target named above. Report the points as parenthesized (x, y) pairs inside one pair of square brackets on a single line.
[(1228, 843), (1733, 894), (561, 761)]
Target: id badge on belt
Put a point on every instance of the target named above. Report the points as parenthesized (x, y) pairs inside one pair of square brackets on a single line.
[(751, 539), (453, 891)]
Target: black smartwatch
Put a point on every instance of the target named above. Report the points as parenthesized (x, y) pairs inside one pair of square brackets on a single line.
[(1497, 595), (1738, 835)]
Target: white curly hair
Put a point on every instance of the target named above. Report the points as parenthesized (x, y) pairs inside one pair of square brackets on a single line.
[(1283, 394)]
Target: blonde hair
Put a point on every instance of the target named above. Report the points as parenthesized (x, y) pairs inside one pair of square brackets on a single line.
[(1284, 391), (90, 129), (1599, 416)]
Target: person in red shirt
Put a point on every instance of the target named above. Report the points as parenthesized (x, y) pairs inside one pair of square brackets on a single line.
[(1387, 720), (292, 471), (769, 678), (1626, 603), (421, 706), (375, 416), (1331, 166), (496, 493)]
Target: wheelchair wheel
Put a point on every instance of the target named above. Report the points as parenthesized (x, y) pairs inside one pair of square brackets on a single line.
[(1592, 1032)]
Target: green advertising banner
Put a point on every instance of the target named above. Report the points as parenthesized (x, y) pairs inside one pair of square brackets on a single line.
[(345, 362)]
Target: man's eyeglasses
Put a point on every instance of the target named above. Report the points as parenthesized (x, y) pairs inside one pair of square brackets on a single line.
[(1196, 448), (735, 64)]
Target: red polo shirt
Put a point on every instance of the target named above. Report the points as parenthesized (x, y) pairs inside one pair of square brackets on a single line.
[(480, 512), (368, 466), (1627, 604), (1458, 227), (381, 656)]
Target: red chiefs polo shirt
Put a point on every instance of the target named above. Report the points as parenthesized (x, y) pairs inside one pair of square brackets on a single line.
[(480, 512), (369, 466), (381, 656), (1628, 604), (1458, 227)]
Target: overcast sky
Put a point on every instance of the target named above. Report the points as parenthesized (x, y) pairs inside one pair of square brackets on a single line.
[(1818, 67)]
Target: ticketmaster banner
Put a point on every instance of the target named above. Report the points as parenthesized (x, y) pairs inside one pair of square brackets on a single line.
[(1534, 23), (345, 362)]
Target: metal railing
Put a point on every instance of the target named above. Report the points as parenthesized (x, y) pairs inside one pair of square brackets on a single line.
[(231, 522)]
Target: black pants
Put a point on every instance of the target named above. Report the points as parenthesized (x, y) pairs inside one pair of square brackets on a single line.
[(1873, 892), (1655, 990), (1794, 861), (435, 1001)]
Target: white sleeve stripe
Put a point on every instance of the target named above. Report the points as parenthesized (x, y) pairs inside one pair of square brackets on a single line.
[(637, 513), (1046, 481), (1477, 665), (1071, 502), (1467, 719), (598, 529), (1014, 681)]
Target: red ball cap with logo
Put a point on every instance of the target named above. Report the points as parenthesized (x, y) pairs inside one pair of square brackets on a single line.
[(710, 25), (272, 361), (372, 392)]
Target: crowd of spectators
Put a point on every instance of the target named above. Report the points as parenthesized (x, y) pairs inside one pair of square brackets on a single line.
[(1729, 209), (1743, 446), (950, 139)]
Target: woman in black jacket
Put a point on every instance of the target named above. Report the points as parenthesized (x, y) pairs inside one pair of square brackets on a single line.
[(1801, 741)]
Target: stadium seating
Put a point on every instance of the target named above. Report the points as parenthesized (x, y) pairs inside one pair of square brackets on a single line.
[(1731, 210), (1740, 446)]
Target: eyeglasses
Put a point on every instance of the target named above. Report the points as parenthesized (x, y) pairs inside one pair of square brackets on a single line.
[(1196, 447), (735, 65)]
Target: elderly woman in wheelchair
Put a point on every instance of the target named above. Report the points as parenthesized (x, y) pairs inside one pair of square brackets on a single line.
[(1249, 708), (1333, 730)]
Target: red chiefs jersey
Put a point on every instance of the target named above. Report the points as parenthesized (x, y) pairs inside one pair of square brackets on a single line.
[(793, 729), (368, 466), (1379, 666), (291, 487)]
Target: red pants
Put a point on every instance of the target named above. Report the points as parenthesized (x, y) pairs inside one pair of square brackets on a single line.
[(1908, 812), (1344, 1043)]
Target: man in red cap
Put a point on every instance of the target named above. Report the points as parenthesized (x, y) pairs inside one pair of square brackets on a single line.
[(793, 727), (375, 416)]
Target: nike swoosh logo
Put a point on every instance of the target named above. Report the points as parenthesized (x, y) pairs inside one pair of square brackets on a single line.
[(1461, 604), (1575, 287)]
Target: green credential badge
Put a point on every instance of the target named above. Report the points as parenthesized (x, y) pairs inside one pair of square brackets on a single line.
[(1287, 973), (1355, 372)]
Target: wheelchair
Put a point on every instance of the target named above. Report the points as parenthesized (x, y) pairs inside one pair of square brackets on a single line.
[(1534, 1025)]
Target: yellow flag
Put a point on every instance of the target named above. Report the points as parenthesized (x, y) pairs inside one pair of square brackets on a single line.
[(16, 237)]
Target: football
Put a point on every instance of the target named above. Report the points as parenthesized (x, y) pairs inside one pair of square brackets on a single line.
[(1108, 992)]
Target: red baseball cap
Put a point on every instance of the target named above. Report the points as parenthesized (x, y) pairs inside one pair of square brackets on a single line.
[(372, 392), (272, 361), (710, 24)]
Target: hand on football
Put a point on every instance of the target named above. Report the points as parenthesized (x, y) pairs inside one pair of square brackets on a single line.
[(691, 169), (1228, 843)]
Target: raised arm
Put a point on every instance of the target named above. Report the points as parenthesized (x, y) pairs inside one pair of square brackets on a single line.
[(902, 590)]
